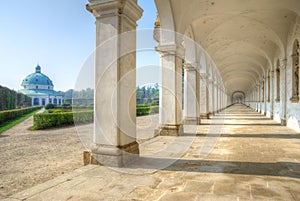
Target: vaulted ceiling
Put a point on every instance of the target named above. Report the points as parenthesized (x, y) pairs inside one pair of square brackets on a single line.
[(242, 37)]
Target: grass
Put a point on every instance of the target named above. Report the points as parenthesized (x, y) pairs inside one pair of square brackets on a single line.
[(9, 124)]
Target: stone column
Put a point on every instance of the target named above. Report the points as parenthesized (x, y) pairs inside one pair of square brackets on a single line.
[(283, 91), (254, 98), (220, 98), (216, 91), (170, 114), (204, 103), (191, 95), (272, 84), (114, 140), (265, 95), (259, 97), (211, 96)]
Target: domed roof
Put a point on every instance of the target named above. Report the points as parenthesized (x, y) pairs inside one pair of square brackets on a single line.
[(37, 78)]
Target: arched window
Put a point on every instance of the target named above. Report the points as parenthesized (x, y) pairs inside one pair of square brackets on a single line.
[(36, 101), (277, 82), (55, 101), (43, 101), (295, 72)]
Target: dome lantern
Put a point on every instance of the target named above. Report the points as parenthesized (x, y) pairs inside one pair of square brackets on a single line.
[(38, 69)]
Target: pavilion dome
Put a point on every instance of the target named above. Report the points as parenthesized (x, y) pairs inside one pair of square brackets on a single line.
[(37, 78)]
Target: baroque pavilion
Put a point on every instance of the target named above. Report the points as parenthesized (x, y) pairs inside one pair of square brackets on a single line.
[(41, 89)]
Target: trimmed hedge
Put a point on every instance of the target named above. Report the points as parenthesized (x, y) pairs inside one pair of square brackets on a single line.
[(143, 110), (43, 121), (8, 115), (154, 109), (50, 106), (155, 103), (58, 110), (10, 99)]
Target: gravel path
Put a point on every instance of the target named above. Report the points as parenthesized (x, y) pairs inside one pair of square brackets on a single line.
[(32, 157), (29, 157)]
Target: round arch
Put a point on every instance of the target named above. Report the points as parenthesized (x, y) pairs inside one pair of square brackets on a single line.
[(238, 97)]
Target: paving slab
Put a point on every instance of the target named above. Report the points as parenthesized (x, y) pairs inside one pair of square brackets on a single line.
[(252, 158)]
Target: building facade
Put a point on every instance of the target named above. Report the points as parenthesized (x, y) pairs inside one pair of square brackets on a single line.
[(41, 89)]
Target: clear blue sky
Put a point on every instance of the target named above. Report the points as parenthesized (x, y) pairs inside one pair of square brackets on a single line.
[(59, 35)]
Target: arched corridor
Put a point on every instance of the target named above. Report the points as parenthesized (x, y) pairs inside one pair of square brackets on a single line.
[(223, 48)]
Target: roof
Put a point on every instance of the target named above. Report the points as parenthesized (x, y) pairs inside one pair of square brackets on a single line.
[(39, 92), (37, 78)]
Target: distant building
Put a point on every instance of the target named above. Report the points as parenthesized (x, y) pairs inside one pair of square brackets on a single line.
[(40, 88)]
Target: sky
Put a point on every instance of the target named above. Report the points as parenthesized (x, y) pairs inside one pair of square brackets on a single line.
[(59, 35)]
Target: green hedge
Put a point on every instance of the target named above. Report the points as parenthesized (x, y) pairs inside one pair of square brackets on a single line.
[(8, 115), (155, 103), (144, 110), (154, 109), (142, 105), (43, 121), (10, 99)]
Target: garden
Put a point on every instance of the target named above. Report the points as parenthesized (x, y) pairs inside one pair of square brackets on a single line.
[(147, 109), (57, 116)]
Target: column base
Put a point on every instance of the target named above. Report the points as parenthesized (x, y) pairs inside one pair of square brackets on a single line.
[(192, 121), (210, 114), (204, 116), (170, 130), (112, 156), (283, 122)]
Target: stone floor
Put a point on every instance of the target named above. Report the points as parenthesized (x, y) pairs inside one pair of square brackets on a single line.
[(236, 155)]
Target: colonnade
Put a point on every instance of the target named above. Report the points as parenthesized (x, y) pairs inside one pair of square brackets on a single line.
[(114, 141)]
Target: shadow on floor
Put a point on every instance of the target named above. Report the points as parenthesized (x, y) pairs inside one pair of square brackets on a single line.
[(285, 169), (278, 136), (242, 124), (240, 118)]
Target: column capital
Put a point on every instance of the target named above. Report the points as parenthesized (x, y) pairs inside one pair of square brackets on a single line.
[(170, 49), (189, 67), (272, 73), (108, 8), (283, 64)]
